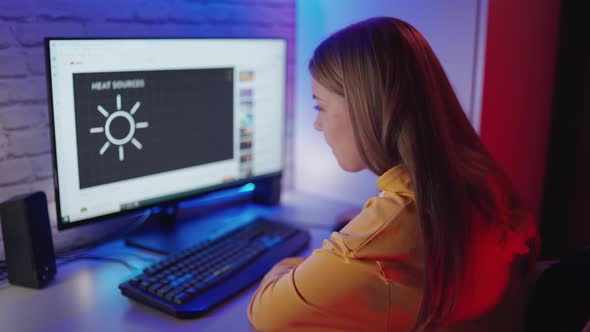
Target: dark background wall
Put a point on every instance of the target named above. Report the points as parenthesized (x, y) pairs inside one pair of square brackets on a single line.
[(565, 222)]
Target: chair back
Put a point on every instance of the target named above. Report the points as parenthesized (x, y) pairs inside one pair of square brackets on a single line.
[(559, 299)]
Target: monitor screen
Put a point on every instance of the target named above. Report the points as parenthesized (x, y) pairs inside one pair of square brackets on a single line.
[(140, 122)]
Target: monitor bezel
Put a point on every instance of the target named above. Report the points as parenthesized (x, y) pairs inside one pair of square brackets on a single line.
[(192, 194)]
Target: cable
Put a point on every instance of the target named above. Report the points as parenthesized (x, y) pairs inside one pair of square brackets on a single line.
[(123, 262), (3, 271), (75, 253)]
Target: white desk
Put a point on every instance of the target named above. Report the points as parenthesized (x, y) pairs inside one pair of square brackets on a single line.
[(84, 295)]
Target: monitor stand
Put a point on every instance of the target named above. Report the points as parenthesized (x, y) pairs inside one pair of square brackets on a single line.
[(160, 233), (176, 226), (173, 227)]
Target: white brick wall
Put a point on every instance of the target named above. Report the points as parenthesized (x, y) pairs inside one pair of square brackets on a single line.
[(31, 34), (25, 150), (19, 117), (42, 167), (28, 143), (16, 171), (13, 65), (3, 145), (11, 10), (35, 58), (6, 36), (19, 90)]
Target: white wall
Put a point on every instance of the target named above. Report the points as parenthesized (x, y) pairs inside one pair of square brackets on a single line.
[(456, 32)]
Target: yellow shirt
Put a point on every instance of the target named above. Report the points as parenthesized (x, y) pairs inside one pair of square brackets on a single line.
[(368, 276)]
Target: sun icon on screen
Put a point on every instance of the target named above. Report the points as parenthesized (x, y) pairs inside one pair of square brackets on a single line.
[(120, 142)]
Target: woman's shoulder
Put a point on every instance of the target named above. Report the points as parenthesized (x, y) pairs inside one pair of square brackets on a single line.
[(387, 224)]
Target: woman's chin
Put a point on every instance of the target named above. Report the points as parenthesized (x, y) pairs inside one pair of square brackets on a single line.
[(350, 167)]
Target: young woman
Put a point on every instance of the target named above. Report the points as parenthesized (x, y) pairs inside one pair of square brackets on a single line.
[(447, 245)]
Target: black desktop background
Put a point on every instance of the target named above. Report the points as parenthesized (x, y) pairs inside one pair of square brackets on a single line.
[(190, 117)]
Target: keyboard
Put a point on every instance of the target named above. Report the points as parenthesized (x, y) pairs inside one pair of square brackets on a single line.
[(188, 283)]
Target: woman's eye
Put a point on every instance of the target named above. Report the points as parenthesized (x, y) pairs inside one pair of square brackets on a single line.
[(317, 108)]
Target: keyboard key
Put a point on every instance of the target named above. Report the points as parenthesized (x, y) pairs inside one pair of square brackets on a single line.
[(162, 291), (172, 294), (181, 298), (153, 288), (191, 291)]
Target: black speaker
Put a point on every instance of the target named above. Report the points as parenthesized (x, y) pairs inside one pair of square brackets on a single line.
[(28, 245)]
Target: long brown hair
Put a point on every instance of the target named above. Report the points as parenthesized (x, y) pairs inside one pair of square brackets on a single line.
[(404, 111)]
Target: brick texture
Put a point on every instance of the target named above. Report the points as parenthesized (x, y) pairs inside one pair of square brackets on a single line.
[(15, 10), (6, 36), (22, 116), (16, 171), (35, 61), (3, 145), (22, 90), (13, 65), (29, 142)]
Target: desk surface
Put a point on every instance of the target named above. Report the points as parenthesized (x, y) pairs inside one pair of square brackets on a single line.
[(85, 297)]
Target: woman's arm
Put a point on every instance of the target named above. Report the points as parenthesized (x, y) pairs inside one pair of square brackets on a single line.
[(326, 291)]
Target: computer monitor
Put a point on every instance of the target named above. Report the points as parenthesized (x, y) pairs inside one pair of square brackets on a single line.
[(137, 123)]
